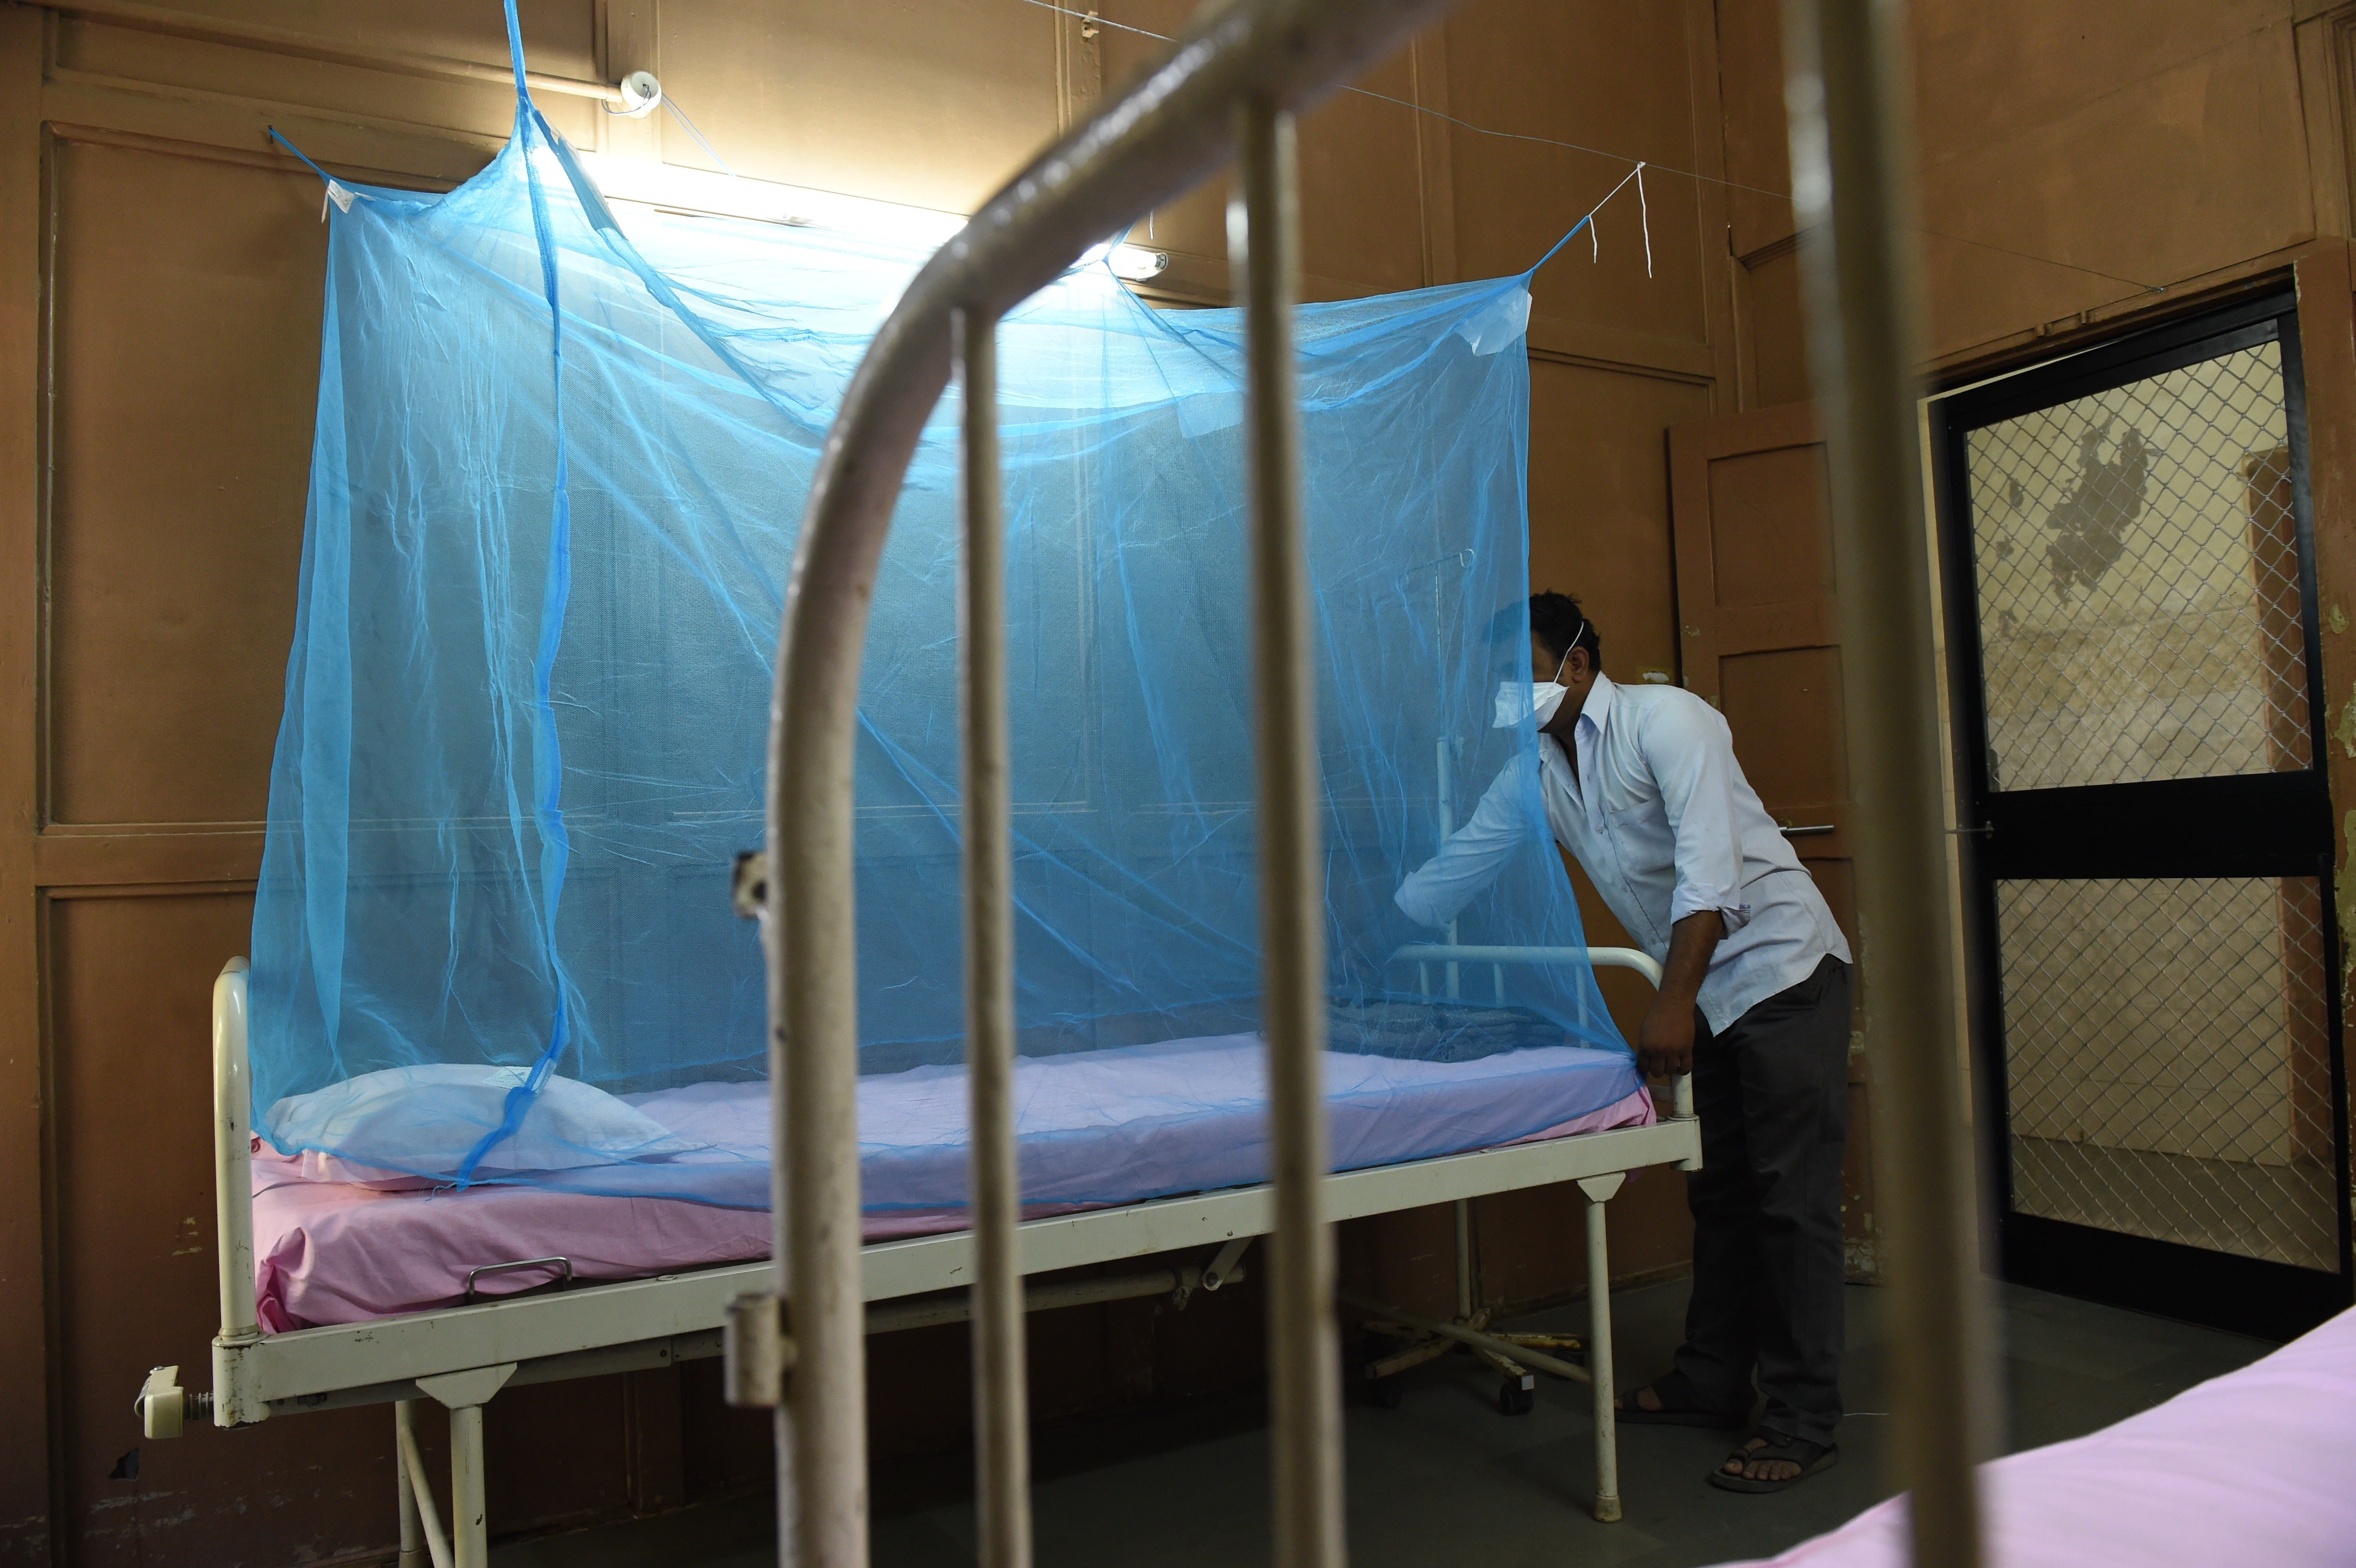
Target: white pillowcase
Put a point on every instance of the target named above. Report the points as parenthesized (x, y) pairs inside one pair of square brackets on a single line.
[(429, 1117)]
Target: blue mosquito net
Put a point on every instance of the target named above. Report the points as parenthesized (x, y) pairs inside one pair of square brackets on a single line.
[(527, 707)]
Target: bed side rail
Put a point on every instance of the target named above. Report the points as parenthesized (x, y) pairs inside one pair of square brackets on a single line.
[(1422, 954), (232, 1188), (162, 1404)]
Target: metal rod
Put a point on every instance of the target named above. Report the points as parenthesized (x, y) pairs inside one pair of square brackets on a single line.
[(1681, 1104), (821, 1423), (1166, 133), (415, 1484), (1305, 1399), (1599, 1359), (1477, 953), (1464, 1257), (1852, 159), (893, 1317), (1001, 1409), (1474, 1337), (469, 1514), (233, 1157), (421, 1518)]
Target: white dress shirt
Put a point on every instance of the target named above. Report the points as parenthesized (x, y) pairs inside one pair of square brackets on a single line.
[(1665, 823)]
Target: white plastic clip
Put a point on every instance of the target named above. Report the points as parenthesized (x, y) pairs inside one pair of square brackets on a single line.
[(162, 1404)]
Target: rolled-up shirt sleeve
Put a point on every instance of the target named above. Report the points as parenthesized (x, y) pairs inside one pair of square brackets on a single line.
[(1473, 856), (1692, 756)]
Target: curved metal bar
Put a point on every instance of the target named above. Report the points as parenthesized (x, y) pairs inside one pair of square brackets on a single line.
[(1681, 1100), (563, 1265), (1163, 136), (233, 1155), (1596, 958)]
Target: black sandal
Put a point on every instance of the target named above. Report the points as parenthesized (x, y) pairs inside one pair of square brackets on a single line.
[(1810, 1456), (1679, 1407)]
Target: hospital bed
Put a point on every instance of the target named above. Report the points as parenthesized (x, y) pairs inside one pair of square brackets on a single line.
[(460, 1356), (2248, 1468)]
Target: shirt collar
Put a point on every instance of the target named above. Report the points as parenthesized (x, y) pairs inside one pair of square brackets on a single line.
[(1593, 714), (1597, 710)]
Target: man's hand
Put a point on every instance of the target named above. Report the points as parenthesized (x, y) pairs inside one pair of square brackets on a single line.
[(1664, 1042), (1665, 1038)]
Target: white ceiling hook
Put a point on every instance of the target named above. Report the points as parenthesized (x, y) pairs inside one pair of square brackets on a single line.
[(641, 94)]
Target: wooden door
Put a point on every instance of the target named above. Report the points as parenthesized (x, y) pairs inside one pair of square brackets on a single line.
[(1756, 611)]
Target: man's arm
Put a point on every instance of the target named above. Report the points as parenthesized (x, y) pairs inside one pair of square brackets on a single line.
[(1664, 1042), (1691, 754), (1474, 854)]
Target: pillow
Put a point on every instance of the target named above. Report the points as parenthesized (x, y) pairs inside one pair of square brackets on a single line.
[(426, 1119)]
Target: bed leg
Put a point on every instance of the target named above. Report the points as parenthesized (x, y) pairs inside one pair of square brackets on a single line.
[(413, 1534), (1464, 1259), (465, 1393), (1599, 1190), (469, 1532)]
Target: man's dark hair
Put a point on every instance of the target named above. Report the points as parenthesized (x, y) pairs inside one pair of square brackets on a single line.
[(1557, 621)]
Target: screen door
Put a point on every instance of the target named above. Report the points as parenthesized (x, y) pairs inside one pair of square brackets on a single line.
[(2148, 835)]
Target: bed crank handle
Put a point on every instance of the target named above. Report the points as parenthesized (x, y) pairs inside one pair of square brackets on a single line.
[(163, 1407)]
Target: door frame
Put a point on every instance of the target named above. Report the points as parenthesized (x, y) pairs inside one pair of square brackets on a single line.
[(2111, 837)]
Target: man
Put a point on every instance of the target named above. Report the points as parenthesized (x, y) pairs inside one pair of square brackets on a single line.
[(1640, 782)]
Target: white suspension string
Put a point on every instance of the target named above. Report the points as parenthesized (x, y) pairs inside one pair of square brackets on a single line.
[(1645, 208)]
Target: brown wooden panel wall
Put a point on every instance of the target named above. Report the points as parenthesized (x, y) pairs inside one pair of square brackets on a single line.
[(2076, 158), (2086, 167), (160, 270), (184, 365)]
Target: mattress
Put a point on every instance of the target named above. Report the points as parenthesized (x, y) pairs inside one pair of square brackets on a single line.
[(1096, 1129), (2249, 1467)]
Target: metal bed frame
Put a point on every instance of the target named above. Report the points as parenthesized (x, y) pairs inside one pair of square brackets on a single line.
[(462, 1357), (1226, 92)]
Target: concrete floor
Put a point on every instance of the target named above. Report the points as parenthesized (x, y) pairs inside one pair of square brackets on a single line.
[(1447, 1480)]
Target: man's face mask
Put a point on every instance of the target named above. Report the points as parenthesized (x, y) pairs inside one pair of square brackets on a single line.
[(1539, 701)]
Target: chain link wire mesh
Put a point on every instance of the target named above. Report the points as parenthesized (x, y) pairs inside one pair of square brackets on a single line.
[(2167, 1061), (2137, 567), (2167, 1041)]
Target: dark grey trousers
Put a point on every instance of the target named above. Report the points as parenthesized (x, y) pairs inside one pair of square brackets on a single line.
[(1772, 1095)]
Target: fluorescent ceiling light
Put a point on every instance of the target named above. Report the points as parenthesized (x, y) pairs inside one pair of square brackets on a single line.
[(1134, 262), (732, 195)]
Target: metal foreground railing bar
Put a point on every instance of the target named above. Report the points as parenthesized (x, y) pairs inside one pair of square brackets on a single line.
[(1852, 166), (1228, 88)]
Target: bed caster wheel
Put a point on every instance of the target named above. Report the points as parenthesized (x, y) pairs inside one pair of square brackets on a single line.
[(1388, 1393), (1517, 1396)]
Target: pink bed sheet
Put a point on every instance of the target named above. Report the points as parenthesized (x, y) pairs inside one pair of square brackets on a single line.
[(2251, 1468), (330, 1253)]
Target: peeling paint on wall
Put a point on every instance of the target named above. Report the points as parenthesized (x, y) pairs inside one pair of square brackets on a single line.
[(2335, 620), (2346, 733)]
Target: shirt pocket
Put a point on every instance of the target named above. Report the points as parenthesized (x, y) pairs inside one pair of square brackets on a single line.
[(1640, 835), (1623, 805)]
